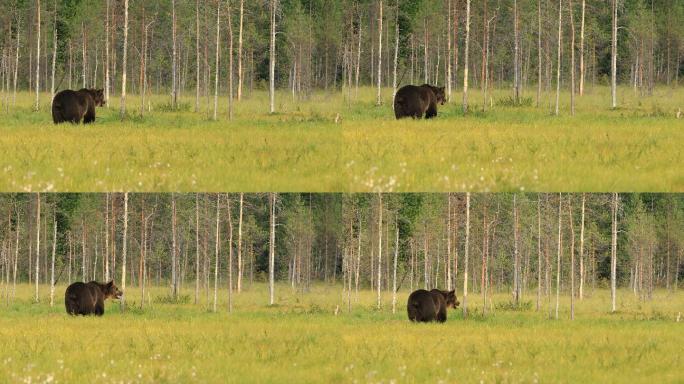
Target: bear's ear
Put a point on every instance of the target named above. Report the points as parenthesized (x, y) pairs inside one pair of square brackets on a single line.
[(111, 282)]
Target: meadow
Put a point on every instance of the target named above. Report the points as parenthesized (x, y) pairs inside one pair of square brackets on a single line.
[(311, 337), (330, 142)]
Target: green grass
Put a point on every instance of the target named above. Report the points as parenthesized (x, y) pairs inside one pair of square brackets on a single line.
[(327, 143), (302, 340)]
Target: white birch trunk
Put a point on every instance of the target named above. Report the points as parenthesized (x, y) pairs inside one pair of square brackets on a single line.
[(52, 264), (581, 68), (396, 55), (379, 281), (560, 251), (581, 252), (197, 65), (37, 299), (271, 252), (240, 80), (467, 246), (36, 105), (230, 256), (465, 92), (197, 250), (239, 246), (272, 57), (379, 78), (613, 60), (558, 68), (230, 62), (125, 237), (54, 53), (394, 273), (107, 65), (216, 69), (216, 250), (124, 64), (613, 253), (174, 58), (539, 52)]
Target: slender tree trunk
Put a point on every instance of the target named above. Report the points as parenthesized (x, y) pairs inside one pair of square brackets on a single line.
[(239, 246), (358, 58), (107, 64), (539, 253), (124, 64), (465, 93), (217, 69), (52, 264), (581, 64), (271, 251), (572, 261), (230, 62), (396, 55), (449, 280), (197, 64), (572, 59), (230, 256), (394, 273), (125, 228), (379, 281), (560, 39), (54, 53), (216, 250), (272, 56), (613, 253), (539, 52), (450, 76), (516, 59), (37, 299), (36, 105), (84, 58), (174, 58), (174, 249), (379, 78), (560, 251), (197, 250), (239, 97), (581, 252), (613, 56), (467, 246)]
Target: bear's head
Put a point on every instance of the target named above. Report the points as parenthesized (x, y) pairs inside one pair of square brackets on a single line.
[(98, 97), (440, 94), (451, 300), (111, 290)]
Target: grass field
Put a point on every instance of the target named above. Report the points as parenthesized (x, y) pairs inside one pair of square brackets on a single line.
[(302, 340), (328, 143)]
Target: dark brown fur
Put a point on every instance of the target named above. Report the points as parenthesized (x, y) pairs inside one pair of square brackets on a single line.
[(76, 106), (88, 298), (426, 306), (418, 101)]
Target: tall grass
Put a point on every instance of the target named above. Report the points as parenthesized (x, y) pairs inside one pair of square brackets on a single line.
[(302, 339), (328, 143)]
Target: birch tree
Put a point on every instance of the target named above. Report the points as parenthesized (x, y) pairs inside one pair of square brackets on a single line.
[(197, 249), (54, 52), (216, 68), (394, 273), (539, 52), (52, 263), (465, 256), (230, 62), (240, 79), (216, 250), (613, 252), (107, 65), (613, 59), (558, 65), (125, 244), (465, 84), (239, 246), (124, 64), (174, 58), (379, 77), (197, 64), (581, 69), (272, 57), (36, 105), (230, 255), (379, 281), (271, 250), (560, 251), (581, 252), (36, 298), (396, 54), (572, 59)]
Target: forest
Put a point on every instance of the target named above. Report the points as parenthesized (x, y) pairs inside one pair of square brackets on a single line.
[(530, 245), (193, 51)]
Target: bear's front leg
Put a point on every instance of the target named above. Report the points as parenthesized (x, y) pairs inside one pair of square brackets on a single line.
[(431, 111)]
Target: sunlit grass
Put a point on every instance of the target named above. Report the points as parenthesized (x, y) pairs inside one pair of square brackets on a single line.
[(301, 339), (330, 143)]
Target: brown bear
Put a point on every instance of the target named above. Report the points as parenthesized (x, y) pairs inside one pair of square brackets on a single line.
[(424, 306), (88, 298), (74, 106), (418, 101)]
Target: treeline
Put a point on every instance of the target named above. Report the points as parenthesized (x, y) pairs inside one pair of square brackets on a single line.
[(527, 244), (194, 49)]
